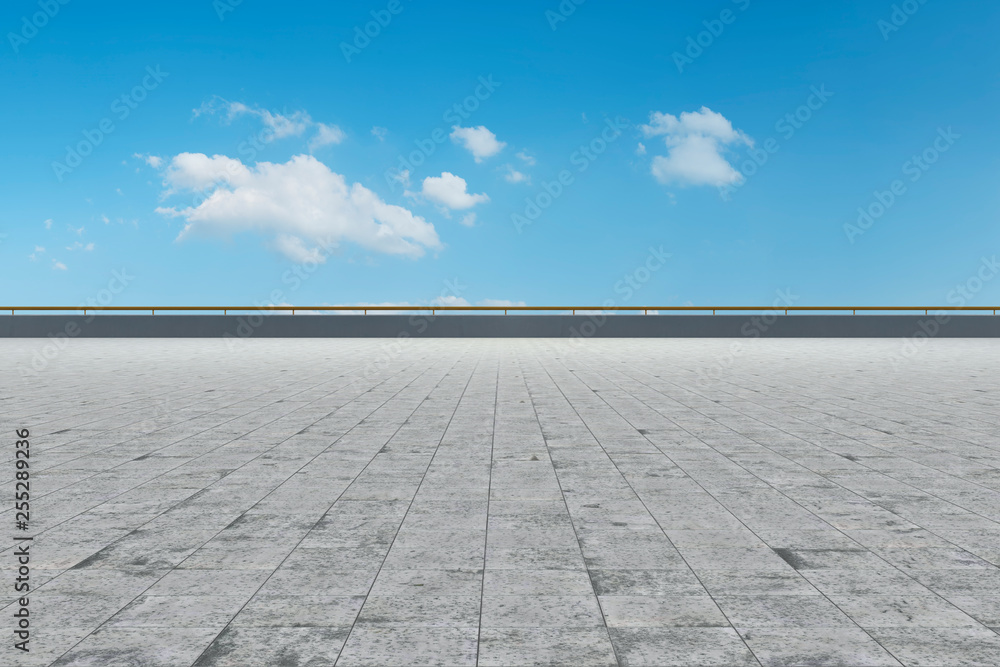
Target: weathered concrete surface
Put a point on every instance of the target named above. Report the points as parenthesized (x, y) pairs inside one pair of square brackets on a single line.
[(426, 325), (505, 502)]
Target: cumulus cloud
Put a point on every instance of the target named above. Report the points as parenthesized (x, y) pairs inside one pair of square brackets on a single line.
[(326, 135), (696, 145), (38, 251), (154, 161), (477, 140), (451, 191), (81, 246), (515, 176), (380, 133), (469, 220), (48, 223), (526, 158), (58, 266), (301, 203), (278, 126), (195, 171), (295, 249)]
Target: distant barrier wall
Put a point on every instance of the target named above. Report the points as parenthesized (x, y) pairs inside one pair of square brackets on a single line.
[(500, 326)]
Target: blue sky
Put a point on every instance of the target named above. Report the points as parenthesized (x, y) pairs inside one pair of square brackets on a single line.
[(240, 153)]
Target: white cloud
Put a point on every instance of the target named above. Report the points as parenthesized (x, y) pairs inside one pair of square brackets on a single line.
[(38, 251), (695, 161), (640, 149), (121, 221), (514, 176), (501, 303), (294, 248), (402, 176), (80, 246), (449, 300), (194, 171), (48, 224), (451, 191), (458, 301), (380, 133), (326, 135), (528, 159), (79, 232), (302, 203), (477, 140), (696, 143), (469, 220), (58, 266), (279, 126), (154, 161)]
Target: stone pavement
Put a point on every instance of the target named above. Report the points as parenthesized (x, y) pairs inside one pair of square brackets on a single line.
[(515, 502)]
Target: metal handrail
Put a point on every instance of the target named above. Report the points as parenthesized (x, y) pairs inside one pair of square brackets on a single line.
[(434, 309)]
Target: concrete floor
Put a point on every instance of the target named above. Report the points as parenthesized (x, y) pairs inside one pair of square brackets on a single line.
[(518, 502)]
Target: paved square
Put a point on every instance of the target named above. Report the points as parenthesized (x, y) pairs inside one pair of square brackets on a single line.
[(506, 502)]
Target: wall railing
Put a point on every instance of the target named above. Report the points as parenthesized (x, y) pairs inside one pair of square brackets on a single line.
[(366, 310)]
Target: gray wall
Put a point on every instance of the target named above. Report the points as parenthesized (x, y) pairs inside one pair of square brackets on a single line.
[(500, 326)]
